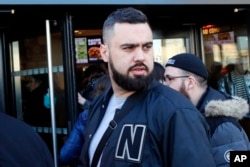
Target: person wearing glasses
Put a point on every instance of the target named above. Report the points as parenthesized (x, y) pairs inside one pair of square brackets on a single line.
[(187, 74)]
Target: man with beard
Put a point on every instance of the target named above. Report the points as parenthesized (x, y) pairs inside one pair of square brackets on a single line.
[(187, 74), (139, 121)]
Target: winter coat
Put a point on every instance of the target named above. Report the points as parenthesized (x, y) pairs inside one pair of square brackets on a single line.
[(21, 146), (161, 129), (222, 113), (71, 149)]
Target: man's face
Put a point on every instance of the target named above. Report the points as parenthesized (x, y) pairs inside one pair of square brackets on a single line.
[(175, 79), (130, 55)]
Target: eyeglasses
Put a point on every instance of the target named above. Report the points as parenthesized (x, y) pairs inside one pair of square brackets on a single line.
[(169, 78)]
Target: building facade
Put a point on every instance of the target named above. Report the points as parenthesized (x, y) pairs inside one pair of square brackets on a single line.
[(53, 39)]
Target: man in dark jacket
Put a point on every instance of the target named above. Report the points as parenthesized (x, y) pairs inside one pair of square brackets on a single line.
[(187, 74), (21, 146), (147, 124)]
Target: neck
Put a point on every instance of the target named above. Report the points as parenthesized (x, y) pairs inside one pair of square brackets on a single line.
[(120, 92), (196, 95)]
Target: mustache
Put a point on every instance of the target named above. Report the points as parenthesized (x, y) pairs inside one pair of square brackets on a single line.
[(138, 65)]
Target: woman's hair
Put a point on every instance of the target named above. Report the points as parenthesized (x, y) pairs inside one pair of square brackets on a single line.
[(158, 72), (90, 77), (91, 73), (101, 85)]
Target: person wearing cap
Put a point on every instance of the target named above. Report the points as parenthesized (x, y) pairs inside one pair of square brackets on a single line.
[(187, 74)]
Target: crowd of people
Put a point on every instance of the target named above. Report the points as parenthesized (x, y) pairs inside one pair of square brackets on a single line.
[(137, 112)]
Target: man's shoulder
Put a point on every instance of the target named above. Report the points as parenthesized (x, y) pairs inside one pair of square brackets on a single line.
[(162, 89), (13, 127), (214, 94), (8, 120), (168, 97)]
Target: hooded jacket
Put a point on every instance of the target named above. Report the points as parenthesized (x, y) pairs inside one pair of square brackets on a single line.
[(222, 113)]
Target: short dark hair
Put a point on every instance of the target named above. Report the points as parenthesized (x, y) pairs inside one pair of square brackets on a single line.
[(158, 71), (124, 15)]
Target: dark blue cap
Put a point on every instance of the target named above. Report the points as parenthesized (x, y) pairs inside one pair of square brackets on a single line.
[(188, 62)]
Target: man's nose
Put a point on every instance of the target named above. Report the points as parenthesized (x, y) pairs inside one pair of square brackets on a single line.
[(139, 54)]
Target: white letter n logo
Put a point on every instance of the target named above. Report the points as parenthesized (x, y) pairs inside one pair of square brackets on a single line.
[(130, 142)]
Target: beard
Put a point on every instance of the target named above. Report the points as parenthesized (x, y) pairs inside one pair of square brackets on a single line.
[(183, 91), (138, 83)]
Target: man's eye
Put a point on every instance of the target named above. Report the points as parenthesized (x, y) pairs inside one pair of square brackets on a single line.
[(129, 47), (147, 47)]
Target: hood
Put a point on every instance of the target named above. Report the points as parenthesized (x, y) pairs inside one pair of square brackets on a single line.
[(235, 107)]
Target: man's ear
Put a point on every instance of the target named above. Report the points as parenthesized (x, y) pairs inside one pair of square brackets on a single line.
[(104, 52), (191, 82)]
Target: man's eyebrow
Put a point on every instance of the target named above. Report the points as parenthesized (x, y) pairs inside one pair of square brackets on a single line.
[(129, 44), (148, 43), (136, 44), (145, 43)]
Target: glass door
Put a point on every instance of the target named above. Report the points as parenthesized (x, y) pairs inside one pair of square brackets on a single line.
[(169, 41), (37, 73)]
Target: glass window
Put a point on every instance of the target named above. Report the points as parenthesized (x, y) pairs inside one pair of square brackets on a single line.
[(167, 48)]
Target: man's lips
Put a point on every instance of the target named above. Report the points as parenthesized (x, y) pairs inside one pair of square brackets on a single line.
[(138, 70)]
